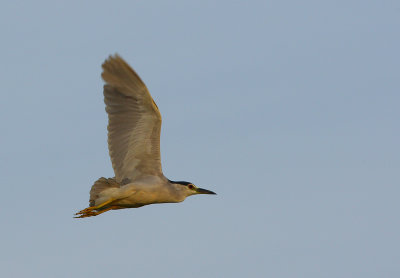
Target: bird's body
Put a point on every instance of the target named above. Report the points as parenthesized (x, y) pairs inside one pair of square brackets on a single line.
[(150, 190), (134, 144)]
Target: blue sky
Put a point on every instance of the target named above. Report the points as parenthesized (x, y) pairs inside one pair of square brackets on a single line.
[(288, 110)]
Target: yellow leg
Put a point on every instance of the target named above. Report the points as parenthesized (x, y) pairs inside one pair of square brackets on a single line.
[(104, 204), (90, 210), (94, 213)]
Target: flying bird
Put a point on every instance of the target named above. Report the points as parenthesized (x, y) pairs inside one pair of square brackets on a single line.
[(134, 126)]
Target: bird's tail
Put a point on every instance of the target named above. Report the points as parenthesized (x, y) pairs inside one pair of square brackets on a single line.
[(100, 185)]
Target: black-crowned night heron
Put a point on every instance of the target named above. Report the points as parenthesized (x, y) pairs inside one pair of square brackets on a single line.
[(134, 125)]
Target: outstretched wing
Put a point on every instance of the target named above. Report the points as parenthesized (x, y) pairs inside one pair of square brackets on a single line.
[(134, 122)]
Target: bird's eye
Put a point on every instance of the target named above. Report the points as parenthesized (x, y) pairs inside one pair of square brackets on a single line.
[(190, 186)]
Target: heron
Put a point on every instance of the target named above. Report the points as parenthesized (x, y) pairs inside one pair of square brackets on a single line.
[(134, 127)]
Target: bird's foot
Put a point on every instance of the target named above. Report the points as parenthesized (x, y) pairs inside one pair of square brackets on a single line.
[(87, 212), (93, 211)]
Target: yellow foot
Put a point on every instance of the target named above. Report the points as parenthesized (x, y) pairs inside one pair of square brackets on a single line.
[(90, 211), (86, 214), (86, 210), (93, 211)]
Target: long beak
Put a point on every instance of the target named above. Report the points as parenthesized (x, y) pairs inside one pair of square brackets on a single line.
[(204, 191)]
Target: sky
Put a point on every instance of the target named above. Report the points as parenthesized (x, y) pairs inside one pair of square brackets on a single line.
[(289, 110)]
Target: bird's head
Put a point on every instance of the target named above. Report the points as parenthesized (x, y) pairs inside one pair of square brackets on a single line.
[(188, 188)]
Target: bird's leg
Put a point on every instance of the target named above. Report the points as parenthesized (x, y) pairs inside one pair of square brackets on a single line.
[(90, 210), (94, 213)]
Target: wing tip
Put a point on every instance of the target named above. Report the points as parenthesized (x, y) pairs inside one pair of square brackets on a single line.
[(117, 71), (112, 59)]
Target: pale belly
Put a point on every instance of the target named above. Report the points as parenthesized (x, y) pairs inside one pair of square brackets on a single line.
[(139, 197)]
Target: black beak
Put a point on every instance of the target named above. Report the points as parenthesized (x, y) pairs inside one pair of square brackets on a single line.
[(204, 191)]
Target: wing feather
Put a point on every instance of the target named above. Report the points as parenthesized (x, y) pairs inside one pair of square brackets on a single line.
[(134, 122)]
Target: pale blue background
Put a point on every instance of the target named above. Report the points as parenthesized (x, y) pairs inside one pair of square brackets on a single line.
[(289, 110)]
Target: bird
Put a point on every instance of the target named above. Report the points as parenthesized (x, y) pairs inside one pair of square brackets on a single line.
[(134, 127)]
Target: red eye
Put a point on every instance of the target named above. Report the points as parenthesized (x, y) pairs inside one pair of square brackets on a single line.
[(190, 186)]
